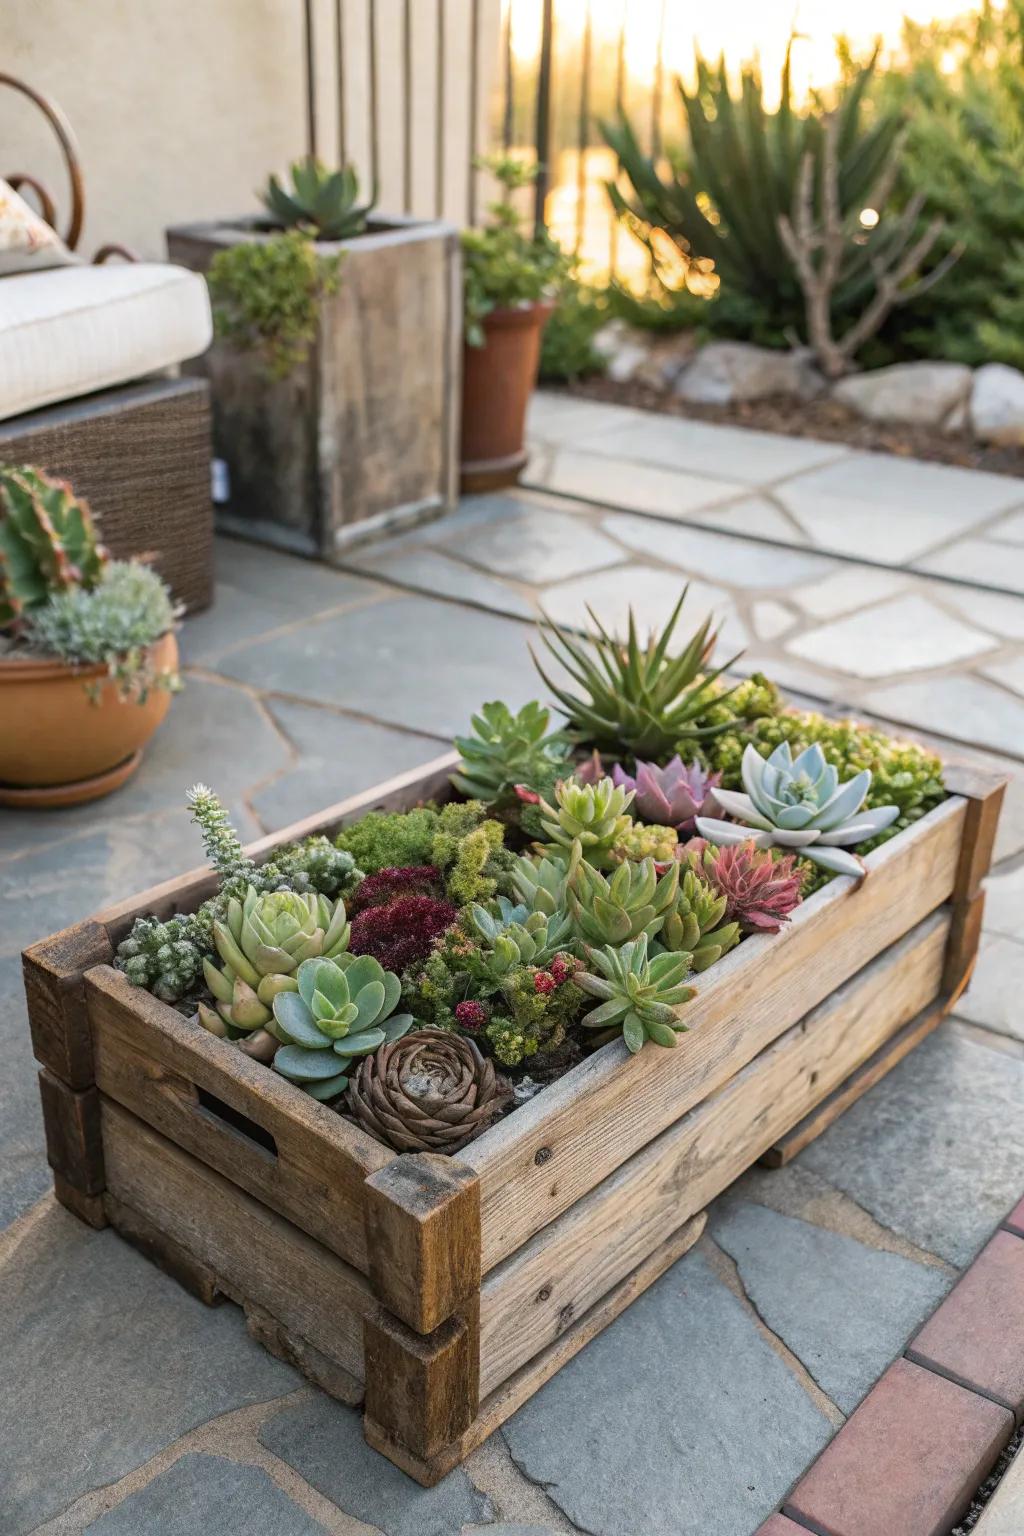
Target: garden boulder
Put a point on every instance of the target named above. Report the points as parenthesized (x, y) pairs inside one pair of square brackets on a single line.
[(924, 394), (726, 372), (997, 405)]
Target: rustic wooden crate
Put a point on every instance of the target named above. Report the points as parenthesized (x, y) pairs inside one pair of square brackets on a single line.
[(442, 1292)]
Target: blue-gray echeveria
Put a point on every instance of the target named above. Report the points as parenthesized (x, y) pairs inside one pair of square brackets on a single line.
[(799, 804)]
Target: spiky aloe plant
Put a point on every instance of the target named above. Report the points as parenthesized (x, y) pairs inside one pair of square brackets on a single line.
[(318, 199), (639, 995), (48, 541), (633, 696)]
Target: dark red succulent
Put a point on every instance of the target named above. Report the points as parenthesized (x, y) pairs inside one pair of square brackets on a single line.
[(403, 932), (760, 890), (390, 884), (471, 1014), (543, 981)]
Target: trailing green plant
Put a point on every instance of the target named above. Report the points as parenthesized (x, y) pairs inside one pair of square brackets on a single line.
[(587, 820), (632, 902), (341, 1009), (636, 698), (507, 749), (696, 923), (503, 267), (267, 294), (113, 623), (320, 201), (568, 350), (48, 542), (639, 995)]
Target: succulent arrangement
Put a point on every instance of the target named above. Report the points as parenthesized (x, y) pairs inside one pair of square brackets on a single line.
[(424, 971)]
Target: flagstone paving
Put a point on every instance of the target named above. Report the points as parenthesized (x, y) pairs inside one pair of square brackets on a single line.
[(129, 1407)]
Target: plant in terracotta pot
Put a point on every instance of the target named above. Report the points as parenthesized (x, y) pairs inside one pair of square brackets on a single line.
[(88, 658), (511, 282)]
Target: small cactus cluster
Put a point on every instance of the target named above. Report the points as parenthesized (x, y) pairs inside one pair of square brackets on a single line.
[(48, 542)]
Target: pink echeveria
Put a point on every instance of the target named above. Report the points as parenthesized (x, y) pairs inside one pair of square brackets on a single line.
[(672, 796)]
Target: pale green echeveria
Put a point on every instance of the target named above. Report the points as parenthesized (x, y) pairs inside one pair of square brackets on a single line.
[(341, 1009), (639, 995), (799, 804), (593, 815), (262, 942)]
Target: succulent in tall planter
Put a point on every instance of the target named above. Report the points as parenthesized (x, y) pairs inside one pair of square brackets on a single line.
[(761, 888), (507, 749), (634, 696), (672, 796), (594, 816), (633, 902), (432, 1091), (324, 201), (262, 942), (48, 541), (799, 803), (341, 1010), (696, 924), (638, 995)]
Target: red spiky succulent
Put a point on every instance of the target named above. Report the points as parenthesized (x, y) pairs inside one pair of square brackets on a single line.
[(403, 932), (760, 891), (391, 884)]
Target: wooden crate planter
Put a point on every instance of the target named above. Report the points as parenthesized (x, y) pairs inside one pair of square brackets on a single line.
[(442, 1292)]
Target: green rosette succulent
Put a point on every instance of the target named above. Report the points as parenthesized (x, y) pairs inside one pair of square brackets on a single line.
[(506, 749), (262, 943), (633, 902), (341, 1009), (517, 937), (638, 994), (694, 924), (593, 815), (540, 883)]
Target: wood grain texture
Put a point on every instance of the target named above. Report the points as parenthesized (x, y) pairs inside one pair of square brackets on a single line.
[(541, 1160), (256, 1256), (158, 1065), (964, 938), (535, 1294), (57, 1016), (88, 1208), (503, 1402), (300, 1354), (983, 790), (71, 1122), (423, 1237), (423, 1389), (163, 1251)]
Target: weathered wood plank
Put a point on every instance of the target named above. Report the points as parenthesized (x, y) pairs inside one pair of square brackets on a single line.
[(57, 1016), (164, 1252), (299, 1157), (964, 938), (88, 1208), (541, 1160), (256, 1256), (983, 790), (530, 1298), (423, 1390), (503, 1402), (423, 1237), (71, 1123)]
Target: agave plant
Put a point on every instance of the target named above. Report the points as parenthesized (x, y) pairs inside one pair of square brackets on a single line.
[(337, 1013), (323, 200), (262, 943), (760, 887), (696, 923), (505, 750), (671, 796), (636, 696), (633, 902), (638, 994), (594, 816), (48, 541), (799, 803)]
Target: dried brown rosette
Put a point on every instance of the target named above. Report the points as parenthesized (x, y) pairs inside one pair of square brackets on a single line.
[(430, 1092)]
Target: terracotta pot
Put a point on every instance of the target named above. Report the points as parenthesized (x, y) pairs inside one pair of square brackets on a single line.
[(497, 381), (57, 746)]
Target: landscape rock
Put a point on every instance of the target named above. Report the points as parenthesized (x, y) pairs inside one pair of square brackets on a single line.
[(997, 405), (725, 372), (623, 349), (924, 394)]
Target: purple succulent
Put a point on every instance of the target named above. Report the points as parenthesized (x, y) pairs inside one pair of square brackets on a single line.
[(672, 796)]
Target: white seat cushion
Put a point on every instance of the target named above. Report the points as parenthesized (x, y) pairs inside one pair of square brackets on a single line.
[(72, 330)]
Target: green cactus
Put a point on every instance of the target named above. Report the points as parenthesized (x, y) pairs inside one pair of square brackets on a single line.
[(594, 815), (632, 902), (694, 926), (318, 199), (341, 1009), (48, 541), (262, 944), (638, 994)]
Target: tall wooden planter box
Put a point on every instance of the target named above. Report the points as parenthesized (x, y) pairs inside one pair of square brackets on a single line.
[(363, 435), (442, 1292)]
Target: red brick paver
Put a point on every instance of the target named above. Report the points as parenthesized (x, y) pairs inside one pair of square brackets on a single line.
[(1015, 1220), (975, 1336), (778, 1525), (907, 1461)]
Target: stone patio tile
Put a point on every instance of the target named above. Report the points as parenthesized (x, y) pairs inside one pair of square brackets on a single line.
[(995, 611), (995, 997), (105, 1361), (1004, 902), (323, 1441), (211, 1494), (852, 586), (679, 1420), (903, 634), (908, 1461), (559, 418), (24, 1176), (534, 544), (705, 448), (979, 560), (652, 594), (1004, 1515), (639, 487), (338, 757), (843, 1309), (962, 708), (1014, 1222), (716, 556), (438, 575), (935, 1150), (977, 1336), (407, 661), (1009, 530), (772, 619), (890, 509), (1009, 673), (754, 515), (502, 1529)]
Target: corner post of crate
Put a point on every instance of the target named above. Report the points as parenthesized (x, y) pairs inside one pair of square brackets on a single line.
[(983, 790), (422, 1346), (54, 972)]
